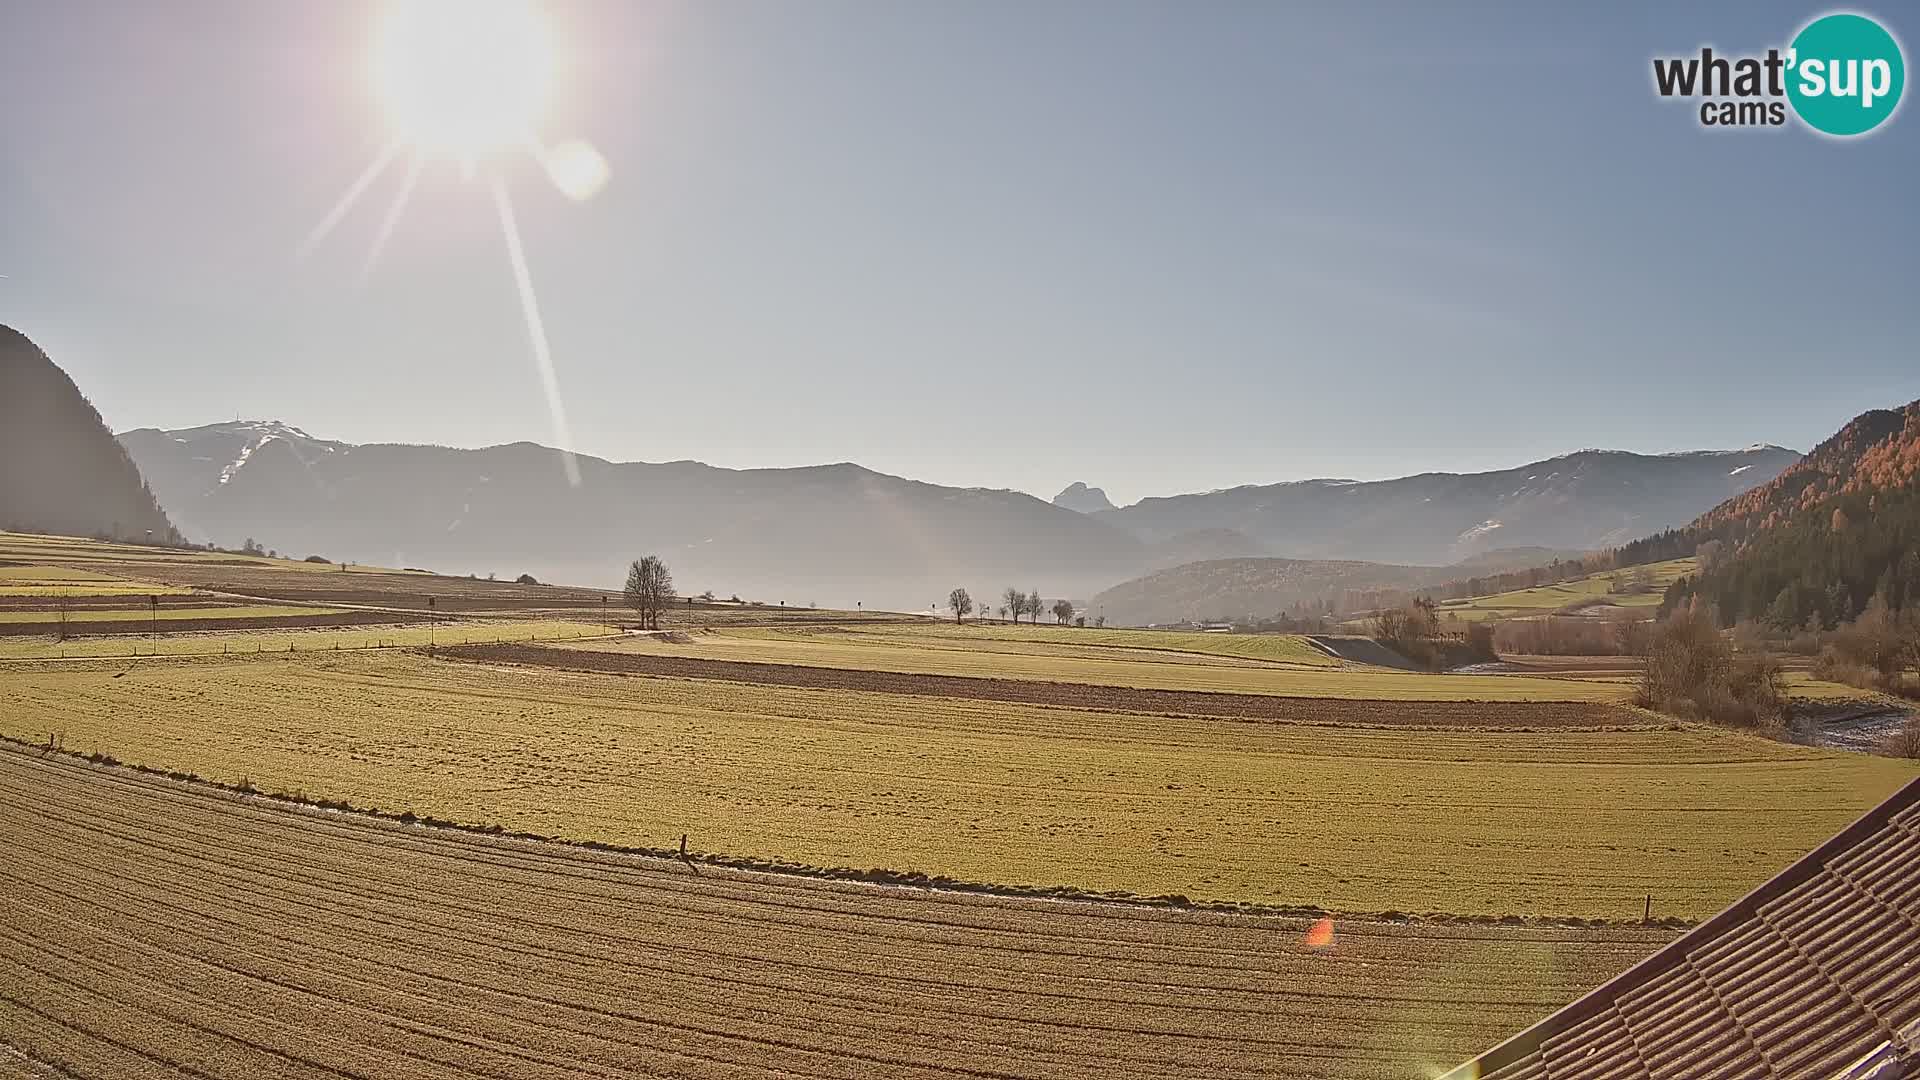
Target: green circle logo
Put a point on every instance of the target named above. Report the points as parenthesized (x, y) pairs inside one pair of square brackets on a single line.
[(1845, 74)]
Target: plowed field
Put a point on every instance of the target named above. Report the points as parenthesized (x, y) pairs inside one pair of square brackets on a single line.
[(155, 928), (1371, 817), (1310, 710)]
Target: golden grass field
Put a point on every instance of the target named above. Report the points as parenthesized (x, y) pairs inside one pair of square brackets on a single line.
[(326, 639), (937, 651), (1609, 586), (1555, 822), (171, 613), (156, 924)]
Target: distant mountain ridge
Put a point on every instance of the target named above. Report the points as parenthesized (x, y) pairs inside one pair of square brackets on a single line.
[(833, 534), (60, 469), (843, 534), (1263, 587), (1586, 500)]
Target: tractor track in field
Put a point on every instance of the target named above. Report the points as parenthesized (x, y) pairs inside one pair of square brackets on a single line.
[(1272, 707), (168, 927)]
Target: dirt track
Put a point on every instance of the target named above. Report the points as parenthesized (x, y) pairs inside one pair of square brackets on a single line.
[(1427, 714), (156, 927)]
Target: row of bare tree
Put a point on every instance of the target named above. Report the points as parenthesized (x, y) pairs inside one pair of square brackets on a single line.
[(960, 602)]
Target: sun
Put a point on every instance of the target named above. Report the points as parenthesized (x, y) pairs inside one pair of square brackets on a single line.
[(467, 79), (464, 78)]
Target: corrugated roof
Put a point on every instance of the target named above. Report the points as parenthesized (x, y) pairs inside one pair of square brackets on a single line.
[(1814, 974)]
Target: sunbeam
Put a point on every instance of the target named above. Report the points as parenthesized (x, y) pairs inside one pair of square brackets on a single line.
[(392, 219), (536, 330), (352, 196), (463, 81)]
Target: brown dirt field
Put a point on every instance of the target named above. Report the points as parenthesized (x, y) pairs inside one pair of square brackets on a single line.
[(80, 627), (1346, 712), (157, 928)]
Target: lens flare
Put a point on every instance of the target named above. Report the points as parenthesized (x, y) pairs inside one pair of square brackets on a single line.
[(1319, 936), (577, 169)]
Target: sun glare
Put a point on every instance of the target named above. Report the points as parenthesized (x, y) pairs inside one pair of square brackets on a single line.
[(464, 77), (466, 80)]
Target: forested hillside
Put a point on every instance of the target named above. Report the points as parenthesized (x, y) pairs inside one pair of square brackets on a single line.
[(1818, 542)]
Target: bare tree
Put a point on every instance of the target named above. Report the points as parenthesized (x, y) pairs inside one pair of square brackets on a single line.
[(1003, 613), (1033, 606), (960, 604), (1016, 603), (1063, 611), (649, 589)]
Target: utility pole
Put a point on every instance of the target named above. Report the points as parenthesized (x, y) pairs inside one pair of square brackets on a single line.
[(429, 626), (153, 613)]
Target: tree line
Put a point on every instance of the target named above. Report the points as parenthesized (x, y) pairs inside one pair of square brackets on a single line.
[(1817, 570), (1015, 603)]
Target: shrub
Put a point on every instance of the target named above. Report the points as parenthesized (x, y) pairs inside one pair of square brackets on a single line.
[(1873, 651), (526, 579), (1693, 671), (1414, 632), (318, 559), (1904, 743)]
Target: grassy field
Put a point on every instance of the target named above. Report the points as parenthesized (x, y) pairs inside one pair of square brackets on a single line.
[(166, 614), (929, 650), (160, 923), (39, 580), (326, 639), (1491, 822), (1278, 648), (1608, 587)]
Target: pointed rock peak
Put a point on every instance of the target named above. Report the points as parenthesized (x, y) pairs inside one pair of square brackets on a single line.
[(1080, 497)]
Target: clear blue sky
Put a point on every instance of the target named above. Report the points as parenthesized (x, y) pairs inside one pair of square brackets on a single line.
[(1155, 247)]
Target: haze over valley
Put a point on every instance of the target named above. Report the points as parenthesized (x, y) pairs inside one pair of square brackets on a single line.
[(840, 534)]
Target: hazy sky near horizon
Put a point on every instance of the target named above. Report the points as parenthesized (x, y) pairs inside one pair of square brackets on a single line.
[(1155, 247)]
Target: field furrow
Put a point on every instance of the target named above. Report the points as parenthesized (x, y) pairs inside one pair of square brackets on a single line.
[(162, 924), (1346, 805)]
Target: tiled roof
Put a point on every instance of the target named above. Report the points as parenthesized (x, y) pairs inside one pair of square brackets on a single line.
[(1814, 974)]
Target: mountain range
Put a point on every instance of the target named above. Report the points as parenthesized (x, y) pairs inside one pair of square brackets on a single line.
[(1587, 500), (841, 534), (833, 534), (1262, 588)]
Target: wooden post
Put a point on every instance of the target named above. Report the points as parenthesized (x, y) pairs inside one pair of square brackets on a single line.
[(1648, 916), (683, 845)]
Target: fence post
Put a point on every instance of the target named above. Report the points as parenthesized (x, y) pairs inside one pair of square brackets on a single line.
[(1648, 916)]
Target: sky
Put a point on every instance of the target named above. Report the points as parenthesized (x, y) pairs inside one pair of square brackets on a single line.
[(1154, 247)]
